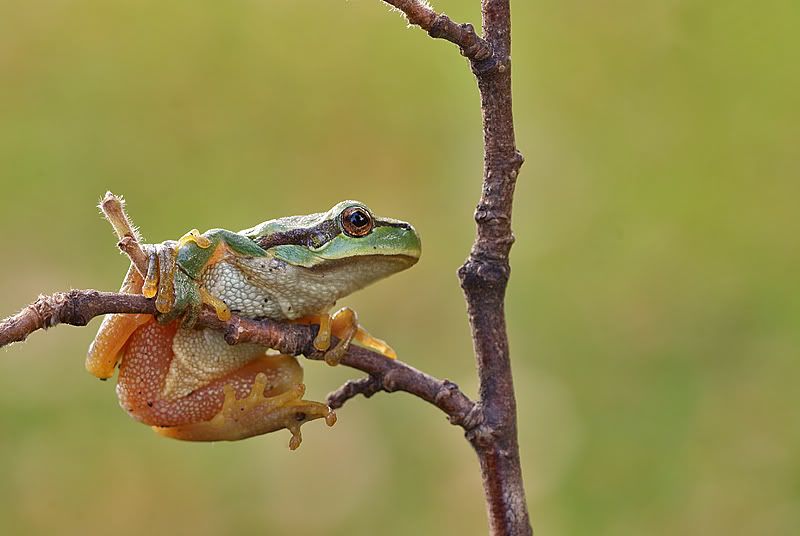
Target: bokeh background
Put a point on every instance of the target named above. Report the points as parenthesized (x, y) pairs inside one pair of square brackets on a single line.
[(653, 308)]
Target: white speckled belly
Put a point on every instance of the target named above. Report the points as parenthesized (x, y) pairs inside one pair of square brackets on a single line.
[(229, 284), (202, 356), (271, 288)]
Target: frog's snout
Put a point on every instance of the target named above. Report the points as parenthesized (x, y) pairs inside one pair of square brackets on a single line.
[(411, 243)]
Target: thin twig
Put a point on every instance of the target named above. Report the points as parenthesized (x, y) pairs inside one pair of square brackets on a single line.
[(439, 26), (363, 386), (113, 208)]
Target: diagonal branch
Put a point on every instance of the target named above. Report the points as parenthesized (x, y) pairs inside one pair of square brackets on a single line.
[(439, 26), (78, 307), (384, 374), (443, 394)]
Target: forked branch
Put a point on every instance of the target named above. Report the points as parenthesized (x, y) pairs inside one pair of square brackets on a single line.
[(78, 307)]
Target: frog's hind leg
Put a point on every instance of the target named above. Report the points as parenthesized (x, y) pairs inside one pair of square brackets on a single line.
[(261, 397), (260, 394), (106, 348)]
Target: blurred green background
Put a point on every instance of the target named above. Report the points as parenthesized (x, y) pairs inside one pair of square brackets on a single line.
[(652, 311)]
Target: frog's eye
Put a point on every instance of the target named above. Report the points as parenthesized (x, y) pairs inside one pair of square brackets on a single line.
[(356, 222)]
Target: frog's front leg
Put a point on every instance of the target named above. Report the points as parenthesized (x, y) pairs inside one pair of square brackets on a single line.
[(176, 269), (343, 324), (201, 400), (175, 292), (159, 282)]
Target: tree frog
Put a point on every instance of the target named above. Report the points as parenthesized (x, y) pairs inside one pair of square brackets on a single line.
[(189, 383)]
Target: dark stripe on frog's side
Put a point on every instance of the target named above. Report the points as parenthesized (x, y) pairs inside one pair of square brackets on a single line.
[(314, 237), (399, 224), (191, 259)]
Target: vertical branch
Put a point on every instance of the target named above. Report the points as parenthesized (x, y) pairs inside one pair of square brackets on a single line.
[(484, 277)]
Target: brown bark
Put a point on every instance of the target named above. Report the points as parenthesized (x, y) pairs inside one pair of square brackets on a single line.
[(78, 307), (484, 275)]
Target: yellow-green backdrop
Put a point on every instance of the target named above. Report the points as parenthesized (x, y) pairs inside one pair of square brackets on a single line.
[(652, 311)]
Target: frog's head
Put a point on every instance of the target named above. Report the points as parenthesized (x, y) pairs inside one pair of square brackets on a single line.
[(346, 242)]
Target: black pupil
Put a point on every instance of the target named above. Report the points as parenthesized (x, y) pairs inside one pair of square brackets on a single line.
[(358, 219)]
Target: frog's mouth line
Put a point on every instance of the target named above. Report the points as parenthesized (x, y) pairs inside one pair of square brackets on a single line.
[(369, 259)]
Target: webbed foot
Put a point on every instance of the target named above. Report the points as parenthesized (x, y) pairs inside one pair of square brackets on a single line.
[(256, 414), (194, 236), (177, 294), (343, 324)]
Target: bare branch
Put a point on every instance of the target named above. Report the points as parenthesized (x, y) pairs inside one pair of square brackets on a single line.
[(439, 26), (130, 247), (363, 386), (392, 375), (484, 275), (384, 374), (78, 307), (113, 208), (397, 376)]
